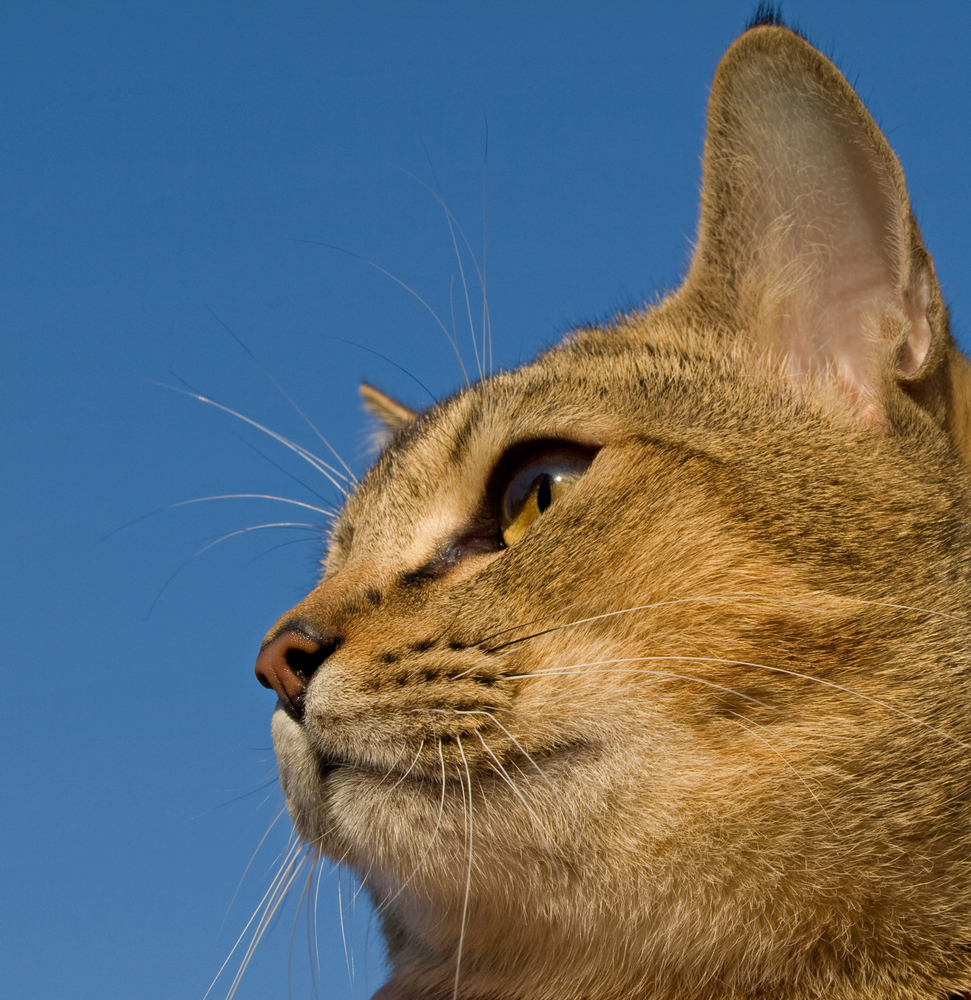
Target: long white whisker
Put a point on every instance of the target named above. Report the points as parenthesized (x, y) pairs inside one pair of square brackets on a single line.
[(250, 496), (501, 771), (279, 388), (736, 598), (738, 721), (580, 668), (340, 910), (453, 227), (336, 477), (744, 663), (385, 903), (468, 874), (320, 879), (225, 496), (232, 534), (313, 948), (276, 465), (264, 903), (410, 767), (249, 865), (512, 739), (486, 319), (281, 890), (465, 289), (391, 766), (304, 894)]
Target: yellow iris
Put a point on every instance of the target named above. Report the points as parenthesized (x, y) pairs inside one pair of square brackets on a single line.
[(541, 493)]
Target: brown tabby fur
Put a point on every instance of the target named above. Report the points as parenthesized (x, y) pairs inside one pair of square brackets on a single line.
[(704, 730)]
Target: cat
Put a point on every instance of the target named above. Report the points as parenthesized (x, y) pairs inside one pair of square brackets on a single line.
[(642, 671)]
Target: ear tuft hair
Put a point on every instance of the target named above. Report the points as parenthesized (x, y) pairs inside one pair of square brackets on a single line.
[(766, 14)]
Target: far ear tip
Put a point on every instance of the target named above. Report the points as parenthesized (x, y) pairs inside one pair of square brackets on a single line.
[(393, 414)]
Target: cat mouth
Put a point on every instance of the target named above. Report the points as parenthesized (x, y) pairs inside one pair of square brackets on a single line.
[(326, 766), (292, 707)]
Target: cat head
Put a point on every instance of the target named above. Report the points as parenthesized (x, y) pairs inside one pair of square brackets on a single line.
[(640, 670)]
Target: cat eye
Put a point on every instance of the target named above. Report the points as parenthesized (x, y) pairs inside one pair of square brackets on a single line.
[(536, 484)]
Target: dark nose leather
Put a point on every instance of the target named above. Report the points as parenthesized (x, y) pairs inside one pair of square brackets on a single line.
[(286, 665)]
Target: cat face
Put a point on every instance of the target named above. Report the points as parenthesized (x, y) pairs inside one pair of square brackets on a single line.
[(640, 670)]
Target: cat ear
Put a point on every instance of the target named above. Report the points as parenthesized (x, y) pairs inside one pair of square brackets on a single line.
[(807, 242), (389, 411)]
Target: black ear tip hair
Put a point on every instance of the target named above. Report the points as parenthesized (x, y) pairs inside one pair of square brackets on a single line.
[(766, 14), (770, 15)]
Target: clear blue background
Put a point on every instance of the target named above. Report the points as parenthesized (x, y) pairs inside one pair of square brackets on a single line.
[(169, 172)]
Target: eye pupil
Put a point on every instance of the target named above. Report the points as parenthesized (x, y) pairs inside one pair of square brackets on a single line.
[(544, 492), (536, 484)]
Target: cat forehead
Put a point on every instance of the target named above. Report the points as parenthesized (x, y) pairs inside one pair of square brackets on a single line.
[(574, 392)]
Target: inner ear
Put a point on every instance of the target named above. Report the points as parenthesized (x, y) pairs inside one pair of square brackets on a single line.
[(807, 244)]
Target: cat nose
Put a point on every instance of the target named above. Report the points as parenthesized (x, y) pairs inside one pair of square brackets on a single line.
[(287, 662)]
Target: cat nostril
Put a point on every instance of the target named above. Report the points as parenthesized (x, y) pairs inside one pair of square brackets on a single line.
[(288, 662), (304, 662)]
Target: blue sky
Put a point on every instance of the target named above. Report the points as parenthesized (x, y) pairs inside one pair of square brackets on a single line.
[(176, 176)]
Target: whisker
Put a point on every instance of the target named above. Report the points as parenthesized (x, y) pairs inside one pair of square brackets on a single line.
[(340, 911), (320, 880), (398, 281), (276, 465), (579, 669), (393, 364), (225, 496), (391, 766), (249, 864), (385, 903), (510, 737), (468, 874), (486, 318), (304, 894), (465, 288), (271, 899), (337, 478), (758, 666), (280, 893), (224, 538), (350, 475), (410, 767), (274, 548), (313, 943), (249, 496), (741, 724), (712, 599), (453, 227), (501, 771)]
